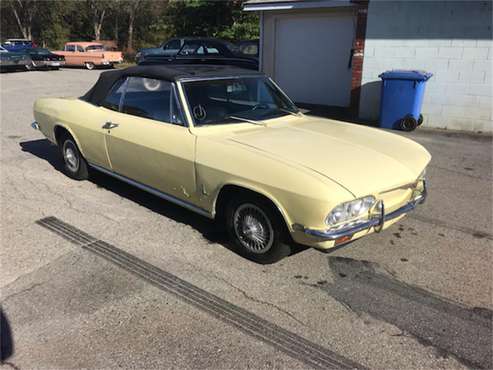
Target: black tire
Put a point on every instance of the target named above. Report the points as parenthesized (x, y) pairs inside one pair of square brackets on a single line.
[(74, 164), (408, 123), (89, 65), (267, 223), (420, 119)]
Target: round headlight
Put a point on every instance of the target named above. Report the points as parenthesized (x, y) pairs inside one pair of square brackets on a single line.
[(350, 210)]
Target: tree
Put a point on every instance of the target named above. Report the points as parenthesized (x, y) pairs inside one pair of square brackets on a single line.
[(131, 8), (24, 12), (97, 10), (212, 19)]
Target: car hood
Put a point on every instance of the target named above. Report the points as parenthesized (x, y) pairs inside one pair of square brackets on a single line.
[(363, 160)]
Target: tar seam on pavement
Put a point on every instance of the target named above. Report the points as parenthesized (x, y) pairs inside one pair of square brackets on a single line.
[(290, 343), (449, 327)]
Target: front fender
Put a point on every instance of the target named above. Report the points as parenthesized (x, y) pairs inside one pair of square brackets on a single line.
[(301, 195), (256, 189)]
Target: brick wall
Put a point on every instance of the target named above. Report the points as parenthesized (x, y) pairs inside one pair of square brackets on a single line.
[(451, 39)]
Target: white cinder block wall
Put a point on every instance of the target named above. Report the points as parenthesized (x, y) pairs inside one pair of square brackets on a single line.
[(451, 39)]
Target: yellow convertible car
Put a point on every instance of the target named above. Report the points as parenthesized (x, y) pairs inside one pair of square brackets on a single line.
[(228, 144)]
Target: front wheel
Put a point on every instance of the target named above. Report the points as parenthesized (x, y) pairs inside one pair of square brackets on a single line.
[(256, 229), (75, 166), (89, 65)]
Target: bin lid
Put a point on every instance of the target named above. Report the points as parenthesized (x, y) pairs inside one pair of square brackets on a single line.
[(402, 74)]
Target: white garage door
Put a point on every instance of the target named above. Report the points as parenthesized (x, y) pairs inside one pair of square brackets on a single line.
[(312, 57)]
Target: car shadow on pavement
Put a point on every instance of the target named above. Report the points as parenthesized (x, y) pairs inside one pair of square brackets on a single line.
[(210, 230)]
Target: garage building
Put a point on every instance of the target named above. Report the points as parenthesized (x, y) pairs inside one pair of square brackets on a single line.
[(330, 53)]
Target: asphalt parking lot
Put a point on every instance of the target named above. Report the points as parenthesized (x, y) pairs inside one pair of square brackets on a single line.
[(113, 277)]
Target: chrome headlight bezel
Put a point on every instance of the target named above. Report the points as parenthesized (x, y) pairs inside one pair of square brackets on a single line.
[(351, 211)]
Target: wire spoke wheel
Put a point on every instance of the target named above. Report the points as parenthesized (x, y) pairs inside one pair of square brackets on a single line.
[(253, 228), (70, 156)]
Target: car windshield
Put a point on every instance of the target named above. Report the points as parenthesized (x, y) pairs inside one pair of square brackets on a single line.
[(95, 48), (225, 101)]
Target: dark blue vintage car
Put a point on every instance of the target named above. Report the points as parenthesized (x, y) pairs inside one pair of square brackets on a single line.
[(10, 61), (18, 45), (197, 50), (42, 58)]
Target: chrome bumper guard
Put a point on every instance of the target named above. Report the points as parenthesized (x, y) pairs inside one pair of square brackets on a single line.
[(376, 221)]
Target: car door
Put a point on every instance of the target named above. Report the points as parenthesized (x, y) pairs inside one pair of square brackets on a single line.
[(89, 128), (149, 143)]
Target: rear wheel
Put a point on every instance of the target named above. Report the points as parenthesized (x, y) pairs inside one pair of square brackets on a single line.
[(89, 65), (75, 166), (256, 230)]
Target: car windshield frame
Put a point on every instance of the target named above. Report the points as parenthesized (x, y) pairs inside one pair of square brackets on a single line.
[(235, 118)]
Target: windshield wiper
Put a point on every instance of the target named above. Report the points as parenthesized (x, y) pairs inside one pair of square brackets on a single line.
[(289, 112), (259, 123)]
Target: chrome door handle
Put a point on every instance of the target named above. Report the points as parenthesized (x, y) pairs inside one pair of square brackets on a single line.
[(109, 125)]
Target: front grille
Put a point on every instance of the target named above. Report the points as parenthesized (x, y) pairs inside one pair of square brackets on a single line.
[(396, 198)]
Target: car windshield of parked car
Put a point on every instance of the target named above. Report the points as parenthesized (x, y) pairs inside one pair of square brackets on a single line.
[(225, 101), (95, 48)]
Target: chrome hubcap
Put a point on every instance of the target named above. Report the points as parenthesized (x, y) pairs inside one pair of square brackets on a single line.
[(70, 156), (253, 228)]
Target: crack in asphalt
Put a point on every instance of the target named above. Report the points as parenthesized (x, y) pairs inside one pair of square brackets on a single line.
[(450, 328), (257, 300), (20, 292), (32, 272)]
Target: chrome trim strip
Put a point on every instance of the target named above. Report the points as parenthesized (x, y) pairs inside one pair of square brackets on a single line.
[(35, 125), (155, 192), (232, 77), (377, 221)]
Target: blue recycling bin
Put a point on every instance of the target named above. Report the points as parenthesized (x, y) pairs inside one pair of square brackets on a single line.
[(402, 98)]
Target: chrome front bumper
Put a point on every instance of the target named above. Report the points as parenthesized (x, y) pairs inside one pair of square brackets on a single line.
[(376, 221), (48, 63)]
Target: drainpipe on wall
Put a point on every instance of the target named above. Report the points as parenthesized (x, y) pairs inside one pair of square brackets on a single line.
[(261, 42), (358, 54)]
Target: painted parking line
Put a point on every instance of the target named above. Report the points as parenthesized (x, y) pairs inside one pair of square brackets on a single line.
[(290, 343)]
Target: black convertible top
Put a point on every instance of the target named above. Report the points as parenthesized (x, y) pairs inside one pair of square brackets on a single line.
[(106, 80)]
